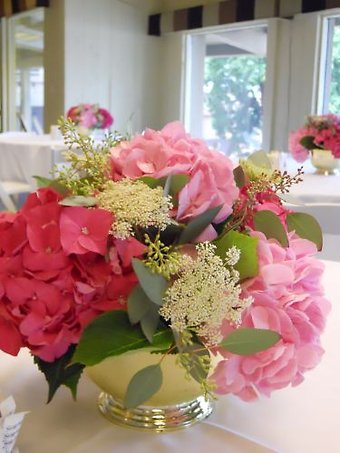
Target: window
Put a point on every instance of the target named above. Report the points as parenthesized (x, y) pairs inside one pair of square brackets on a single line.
[(330, 78), (26, 71), (234, 79), (236, 86)]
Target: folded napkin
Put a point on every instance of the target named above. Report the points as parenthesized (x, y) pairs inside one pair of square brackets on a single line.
[(10, 424)]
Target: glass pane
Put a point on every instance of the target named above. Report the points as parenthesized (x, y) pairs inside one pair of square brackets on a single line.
[(28, 67), (235, 67), (334, 60)]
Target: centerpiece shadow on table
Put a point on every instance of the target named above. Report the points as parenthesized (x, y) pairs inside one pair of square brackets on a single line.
[(168, 275)]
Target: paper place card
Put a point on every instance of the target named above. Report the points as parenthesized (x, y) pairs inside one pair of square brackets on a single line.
[(10, 424)]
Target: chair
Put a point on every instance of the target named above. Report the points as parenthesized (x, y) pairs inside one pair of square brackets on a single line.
[(8, 189)]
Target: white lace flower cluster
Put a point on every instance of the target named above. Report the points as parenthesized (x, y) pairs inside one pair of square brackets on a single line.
[(133, 203), (205, 294)]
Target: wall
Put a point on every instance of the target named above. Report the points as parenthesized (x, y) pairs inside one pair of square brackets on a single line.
[(107, 59)]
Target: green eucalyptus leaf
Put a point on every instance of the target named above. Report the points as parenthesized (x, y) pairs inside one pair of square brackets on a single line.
[(149, 322), (239, 176), (248, 341), (260, 159), (111, 334), (305, 226), (177, 184), (138, 304), (198, 225), (154, 285), (145, 383), (247, 265), (192, 361), (79, 200), (52, 183), (42, 181), (152, 182), (270, 225)]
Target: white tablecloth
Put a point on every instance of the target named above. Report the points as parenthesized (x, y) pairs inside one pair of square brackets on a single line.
[(320, 195), (304, 419), (24, 156)]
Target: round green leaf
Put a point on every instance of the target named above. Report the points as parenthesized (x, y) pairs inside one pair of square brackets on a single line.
[(270, 225), (305, 226)]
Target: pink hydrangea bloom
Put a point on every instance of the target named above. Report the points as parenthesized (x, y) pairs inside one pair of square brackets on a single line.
[(289, 299), (173, 151), (299, 152)]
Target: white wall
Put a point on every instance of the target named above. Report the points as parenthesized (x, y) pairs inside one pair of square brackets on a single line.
[(108, 59), (304, 65)]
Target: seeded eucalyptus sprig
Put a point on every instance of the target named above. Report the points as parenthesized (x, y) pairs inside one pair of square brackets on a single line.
[(88, 163)]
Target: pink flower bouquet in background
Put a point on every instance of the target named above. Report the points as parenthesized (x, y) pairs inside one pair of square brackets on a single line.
[(319, 132), (159, 242), (90, 116)]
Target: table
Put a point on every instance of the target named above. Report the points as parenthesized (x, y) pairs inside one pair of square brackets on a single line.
[(25, 155), (304, 419), (319, 195)]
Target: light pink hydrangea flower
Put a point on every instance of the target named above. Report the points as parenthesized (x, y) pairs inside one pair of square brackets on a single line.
[(173, 151), (289, 299), (299, 152)]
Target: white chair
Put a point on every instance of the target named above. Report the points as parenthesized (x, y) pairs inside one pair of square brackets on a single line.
[(8, 189)]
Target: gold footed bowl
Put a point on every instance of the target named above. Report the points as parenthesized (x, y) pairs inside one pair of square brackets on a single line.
[(324, 162), (179, 402)]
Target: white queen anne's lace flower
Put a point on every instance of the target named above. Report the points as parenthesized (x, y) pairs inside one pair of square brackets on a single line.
[(133, 203), (205, 294)]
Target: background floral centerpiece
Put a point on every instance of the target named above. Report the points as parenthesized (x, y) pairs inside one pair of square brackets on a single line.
[(319, 132), (89, 117), (159, 242)]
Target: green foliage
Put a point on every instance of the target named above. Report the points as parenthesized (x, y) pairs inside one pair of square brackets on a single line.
[(145, 383), (52, 183), (172, 184), (308, 142), (112, 334), (247, 341), (306, 226), (239, 176), (89, 164), (154, 285), (79, 200), (248, 264), (270, 225), (195, 359), (61, 372), (234, 97), (196, 226)]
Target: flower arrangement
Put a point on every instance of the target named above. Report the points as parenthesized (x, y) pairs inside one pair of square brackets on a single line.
[(319, 132), (160, 238), (90, 116)]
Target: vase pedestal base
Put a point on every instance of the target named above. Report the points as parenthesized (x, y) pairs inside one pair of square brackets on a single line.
[(149, 418)]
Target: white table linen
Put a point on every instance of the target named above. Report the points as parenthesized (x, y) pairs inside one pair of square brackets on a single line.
[(26, 155), (304, 419)]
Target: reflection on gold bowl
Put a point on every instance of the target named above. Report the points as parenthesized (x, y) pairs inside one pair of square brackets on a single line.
[(177, 404)]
